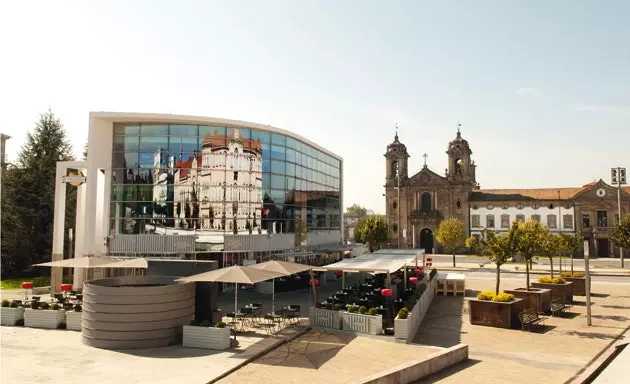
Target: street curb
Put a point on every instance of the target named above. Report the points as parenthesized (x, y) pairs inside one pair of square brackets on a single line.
[(623, 274), (262, 352), (594, 367)]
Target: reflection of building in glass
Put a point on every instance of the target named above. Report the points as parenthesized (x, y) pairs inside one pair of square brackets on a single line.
[(220, 187)]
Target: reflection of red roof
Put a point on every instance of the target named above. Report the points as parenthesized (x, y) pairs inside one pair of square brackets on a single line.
[(184, 166), (217, 140)]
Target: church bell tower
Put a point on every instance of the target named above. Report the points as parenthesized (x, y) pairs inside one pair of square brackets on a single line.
[(461, 169)]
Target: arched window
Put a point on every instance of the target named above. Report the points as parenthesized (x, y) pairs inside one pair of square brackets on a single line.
[(459, 166), (425, 202), (394, 170), (459, 203)]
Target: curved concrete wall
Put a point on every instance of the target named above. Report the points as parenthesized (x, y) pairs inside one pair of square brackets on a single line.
[(134, 312)]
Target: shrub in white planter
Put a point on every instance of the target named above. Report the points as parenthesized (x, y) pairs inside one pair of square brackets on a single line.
[(206, 336), (401, 324), (10, 313), (39, 316), (74, 318)]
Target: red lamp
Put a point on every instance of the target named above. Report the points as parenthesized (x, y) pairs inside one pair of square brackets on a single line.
[(418, 271), (66, 287), (429, 259), (338, 273), (27, 285), (386, 292), (315, 282), (413, 280), (428, 264)]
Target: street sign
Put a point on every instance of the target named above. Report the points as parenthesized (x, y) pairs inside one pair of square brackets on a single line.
[(74, 179)]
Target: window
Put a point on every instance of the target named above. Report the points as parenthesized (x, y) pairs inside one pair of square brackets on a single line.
[(536, 218), (475, 206), (505, 221), (567, 221), (602, 219), (490, 206), (505, 206), (476, 222), (426, 202), (551, 221), (519, 206), (520, 217), (459, 204), (394, 205), (535, 205), (586, 221), (235, 176), (550, 206), (394, 228), (490, 221), (567, 206)]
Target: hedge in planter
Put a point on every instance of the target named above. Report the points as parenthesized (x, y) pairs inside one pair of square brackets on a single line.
[(495, 310), (578, 280), (534, 298), (206, 336), (356, 322), (559, 287), (74, 318), (11, 313), (40, 316)]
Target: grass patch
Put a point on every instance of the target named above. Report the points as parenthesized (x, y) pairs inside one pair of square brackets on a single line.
[(42, 281)]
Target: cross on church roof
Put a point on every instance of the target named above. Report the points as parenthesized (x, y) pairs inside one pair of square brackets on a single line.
[(425, 159), (396, 135)]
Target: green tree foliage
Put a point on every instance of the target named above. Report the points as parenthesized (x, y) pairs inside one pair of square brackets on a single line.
[(528, 240), (569, 244), (451, 235), (499, 249), (475, 244), (356, 210), (621, 233), (372, 230), (550, 246), (28, 197)]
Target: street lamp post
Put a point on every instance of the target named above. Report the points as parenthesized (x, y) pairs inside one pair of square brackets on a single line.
[(618, 177)]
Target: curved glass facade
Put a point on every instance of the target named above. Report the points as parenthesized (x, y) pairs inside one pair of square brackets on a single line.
[(219, 179)]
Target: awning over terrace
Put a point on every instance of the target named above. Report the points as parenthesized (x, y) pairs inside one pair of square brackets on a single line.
[(382, 261)]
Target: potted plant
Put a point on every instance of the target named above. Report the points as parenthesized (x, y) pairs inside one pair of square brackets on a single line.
[(74, 318), (401, 324), (578, 280), (361, 322), (42, 315), (325, 318), (205, 335), (558, 285), (11, 313), (495, 310)]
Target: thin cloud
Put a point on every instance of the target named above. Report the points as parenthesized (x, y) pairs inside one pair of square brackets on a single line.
[(527, 91), (599, 108)]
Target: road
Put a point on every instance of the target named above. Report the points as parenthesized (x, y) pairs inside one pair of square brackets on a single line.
[(477, 275), (600, 262)]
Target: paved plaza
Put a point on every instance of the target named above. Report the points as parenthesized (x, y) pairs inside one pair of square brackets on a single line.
[(554, 353)]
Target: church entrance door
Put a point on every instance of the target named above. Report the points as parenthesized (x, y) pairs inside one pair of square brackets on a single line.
[(426, 240)]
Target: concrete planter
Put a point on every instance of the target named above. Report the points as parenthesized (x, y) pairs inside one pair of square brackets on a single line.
[(324, 318), (401, 327), (579, 285), (356, 322), (206, 337), (10, 316), (494, 313), (558, 290), (73, 320), (533, 298), (43, 318)]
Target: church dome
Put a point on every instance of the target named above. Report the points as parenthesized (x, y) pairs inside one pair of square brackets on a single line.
[(396, 145)]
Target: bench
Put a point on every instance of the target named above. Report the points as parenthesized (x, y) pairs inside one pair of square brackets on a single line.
[(558, 306), (530, 317)]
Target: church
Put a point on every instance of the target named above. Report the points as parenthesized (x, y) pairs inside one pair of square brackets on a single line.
[(417, 203)]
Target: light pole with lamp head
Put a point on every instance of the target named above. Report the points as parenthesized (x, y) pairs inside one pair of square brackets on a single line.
[(618, 177)]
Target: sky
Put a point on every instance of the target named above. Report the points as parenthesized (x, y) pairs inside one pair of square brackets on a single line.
[(541, 88)]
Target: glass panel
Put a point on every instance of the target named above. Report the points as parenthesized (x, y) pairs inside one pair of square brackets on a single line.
[(266, 165), (178, 144), (244, 133), (279, 139), (277, 152), (266, 181), (264, 137), (291, 155), (124, 129), (278, 182), (291, 142), (211, 130), (126, 143), (184, 130), (290, 169), (124, 159), (266, 148), (153, 129), (153, 143)]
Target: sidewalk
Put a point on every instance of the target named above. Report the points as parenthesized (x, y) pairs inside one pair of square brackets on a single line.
[(520, 268)]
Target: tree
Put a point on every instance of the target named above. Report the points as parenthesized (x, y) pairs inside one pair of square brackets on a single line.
[(356, 210), (28, 196), (451, 235), (550, 245), (372, 230), (569, 244), (85, 151), (621, 233), (475, 244), (527, 237), (499, 250)]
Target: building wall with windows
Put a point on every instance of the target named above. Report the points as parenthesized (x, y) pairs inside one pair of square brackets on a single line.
[(208, 177), (499, 216)]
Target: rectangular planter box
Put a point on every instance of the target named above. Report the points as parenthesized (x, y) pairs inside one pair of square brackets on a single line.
[(401, 327), (579, 285), (356, 322), (73, 320), (324, 318), (206, 337), (535, 298), (43, 318), (495, 314), (9, 316), (558, 290)]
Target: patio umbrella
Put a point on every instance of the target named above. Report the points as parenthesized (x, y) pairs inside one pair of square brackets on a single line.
[(234, 274), (284, 267), (80, 262)]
